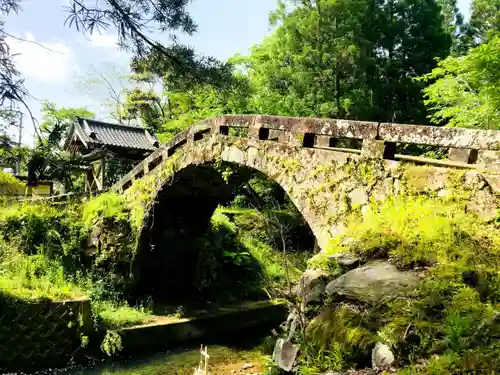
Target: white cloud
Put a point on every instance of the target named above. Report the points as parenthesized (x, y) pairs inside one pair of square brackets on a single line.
[(103, 40), (43, 62), (107, 41)]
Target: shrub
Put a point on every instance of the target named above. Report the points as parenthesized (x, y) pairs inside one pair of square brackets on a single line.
[(421, 231), (105, 206), (9, 185), (43, 229)]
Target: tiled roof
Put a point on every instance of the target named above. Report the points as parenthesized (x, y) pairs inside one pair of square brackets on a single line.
[(107, 134)]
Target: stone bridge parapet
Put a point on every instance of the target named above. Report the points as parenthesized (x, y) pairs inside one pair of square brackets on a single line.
[(465, 148)]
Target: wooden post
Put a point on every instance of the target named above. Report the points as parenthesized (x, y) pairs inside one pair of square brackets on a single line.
[(204, 353), (89, 180), (102, 173), (206, 361)]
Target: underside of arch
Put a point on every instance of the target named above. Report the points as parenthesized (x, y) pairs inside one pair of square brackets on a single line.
[(179, 215), (168, 254)]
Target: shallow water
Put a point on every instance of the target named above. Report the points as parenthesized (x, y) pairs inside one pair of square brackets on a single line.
[(225, 356), (183, 362)]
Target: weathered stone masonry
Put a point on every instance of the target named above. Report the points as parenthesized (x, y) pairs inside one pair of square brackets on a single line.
[(327, 183)]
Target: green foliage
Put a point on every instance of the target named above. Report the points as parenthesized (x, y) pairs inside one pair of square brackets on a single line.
[(41, 256), (34, 277), (116, 315), (47, 159), (326, 60), (453, 21), (450, 319), (113, 258), (9, 185), (421, 231), (148, 106), (336, 339), (105, 206), (43, 229), (463, 91), (484, 20), (203, 101), (57, 121), (112, 343), (39, 247), (139, 196)]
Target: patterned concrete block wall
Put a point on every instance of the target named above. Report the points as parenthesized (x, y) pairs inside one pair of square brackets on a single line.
[(42, 335)]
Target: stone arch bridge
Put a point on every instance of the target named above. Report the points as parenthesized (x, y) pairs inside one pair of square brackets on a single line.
[(329, 168)]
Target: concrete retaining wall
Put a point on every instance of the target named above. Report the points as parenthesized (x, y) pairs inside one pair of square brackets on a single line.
[(41, 335), (160, 336)]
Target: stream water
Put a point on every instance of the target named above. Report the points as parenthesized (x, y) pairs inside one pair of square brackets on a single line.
[(242, 354)]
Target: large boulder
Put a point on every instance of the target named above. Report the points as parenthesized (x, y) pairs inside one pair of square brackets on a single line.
[(484, 204), (312, 285), (374, 283), (345, 260)]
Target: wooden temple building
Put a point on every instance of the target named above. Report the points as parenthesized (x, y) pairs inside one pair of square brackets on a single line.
[(99, 141)]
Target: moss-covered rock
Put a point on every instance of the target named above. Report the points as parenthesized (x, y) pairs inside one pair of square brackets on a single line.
[(446, 322), (373, 283)]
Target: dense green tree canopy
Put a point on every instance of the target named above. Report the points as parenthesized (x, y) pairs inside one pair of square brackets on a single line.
[(348, 58), (454, 24), (484, 20), (465, 91)]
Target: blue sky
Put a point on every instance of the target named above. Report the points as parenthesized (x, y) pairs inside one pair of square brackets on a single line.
[(225, 27)]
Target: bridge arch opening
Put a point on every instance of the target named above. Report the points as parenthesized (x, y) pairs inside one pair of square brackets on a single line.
[(218, 233)]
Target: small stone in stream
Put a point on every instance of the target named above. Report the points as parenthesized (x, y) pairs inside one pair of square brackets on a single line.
[(382, 357), (233, 371), (285, 353), (246, 366)]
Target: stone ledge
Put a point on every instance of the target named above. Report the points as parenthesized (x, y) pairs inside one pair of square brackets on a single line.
[(160, 336)]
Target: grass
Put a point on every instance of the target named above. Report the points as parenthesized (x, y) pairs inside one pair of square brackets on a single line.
[(451, 316), (9, 185), (108, 205), (31, 291), (121, 315), (31, 278), (421, 231)]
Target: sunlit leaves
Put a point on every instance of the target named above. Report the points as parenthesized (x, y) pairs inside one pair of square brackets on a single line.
[(465, 91)]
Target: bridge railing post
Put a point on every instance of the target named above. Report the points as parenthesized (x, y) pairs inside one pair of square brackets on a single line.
[(322, 141), (463, 155), (373, 148), (489, 158), (253, 131)]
